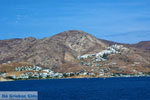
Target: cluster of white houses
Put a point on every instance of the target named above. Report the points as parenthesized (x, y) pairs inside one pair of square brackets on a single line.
[(36, 75), (97, 58), (101, 56), (36, 72), (28, 68)]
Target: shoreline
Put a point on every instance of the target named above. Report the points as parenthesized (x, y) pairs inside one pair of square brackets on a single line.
[(9, 80), (5, 80)]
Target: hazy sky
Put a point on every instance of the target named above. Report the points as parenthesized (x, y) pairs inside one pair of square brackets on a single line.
[(125, 21)]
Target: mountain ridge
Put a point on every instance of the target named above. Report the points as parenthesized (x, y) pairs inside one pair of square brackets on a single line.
[(36, 48)]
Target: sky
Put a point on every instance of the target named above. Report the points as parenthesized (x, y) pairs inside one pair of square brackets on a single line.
[(125, 21)]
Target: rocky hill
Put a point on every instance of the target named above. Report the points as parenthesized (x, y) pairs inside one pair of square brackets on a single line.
[(75, 51), (49, 52), (144, 45)]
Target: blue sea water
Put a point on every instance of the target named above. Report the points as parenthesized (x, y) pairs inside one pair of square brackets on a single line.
[(84, 89)]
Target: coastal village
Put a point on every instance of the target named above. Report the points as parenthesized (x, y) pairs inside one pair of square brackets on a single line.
[(36, 72), (94, 60)]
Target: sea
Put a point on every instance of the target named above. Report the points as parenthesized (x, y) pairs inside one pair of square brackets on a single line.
[(127, 88)]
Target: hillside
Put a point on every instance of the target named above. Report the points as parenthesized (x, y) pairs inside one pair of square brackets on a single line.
[(49, 52), (75, 51), (144, 45)]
